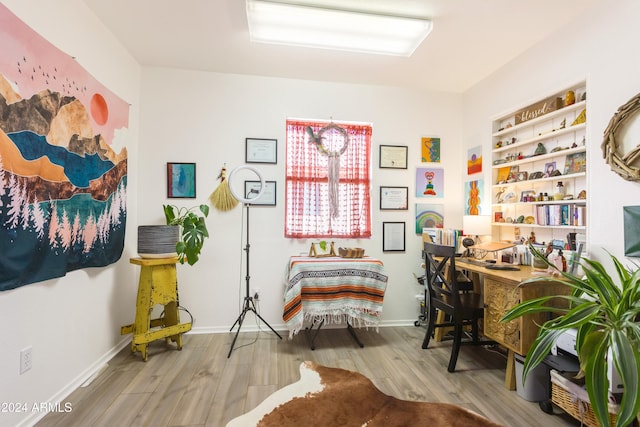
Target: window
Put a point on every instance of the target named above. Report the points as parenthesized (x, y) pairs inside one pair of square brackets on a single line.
[(317, 206)]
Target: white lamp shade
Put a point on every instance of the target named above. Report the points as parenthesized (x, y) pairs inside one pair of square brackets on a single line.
[(296, 25), (476, 225)]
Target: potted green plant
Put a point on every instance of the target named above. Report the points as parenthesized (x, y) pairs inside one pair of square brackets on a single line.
[(193, 230), (605, 315)]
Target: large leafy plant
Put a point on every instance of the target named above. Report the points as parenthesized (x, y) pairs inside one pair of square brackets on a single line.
[(193, 230), (605, 315)]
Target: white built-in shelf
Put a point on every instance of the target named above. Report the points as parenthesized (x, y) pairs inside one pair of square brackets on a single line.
[(528, 123)]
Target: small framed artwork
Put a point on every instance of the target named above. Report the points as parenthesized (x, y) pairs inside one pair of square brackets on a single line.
[(430, 150), (394, 198), (181, 180), (549, 168), (575, 163), (261, 150), (393, 236), (393, 156), (527, 196), (267, 198)]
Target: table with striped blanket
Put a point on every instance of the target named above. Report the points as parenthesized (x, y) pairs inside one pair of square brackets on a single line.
[(333, 290)]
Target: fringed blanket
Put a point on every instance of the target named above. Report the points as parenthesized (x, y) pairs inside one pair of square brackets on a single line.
[(334, 290)]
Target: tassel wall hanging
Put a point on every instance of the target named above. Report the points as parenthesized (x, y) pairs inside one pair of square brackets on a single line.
[(222, 198)]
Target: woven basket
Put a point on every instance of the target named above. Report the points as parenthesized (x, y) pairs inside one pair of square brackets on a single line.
[(573, 399), (351, 252)]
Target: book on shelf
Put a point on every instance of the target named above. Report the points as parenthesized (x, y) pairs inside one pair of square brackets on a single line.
[(554, 215)]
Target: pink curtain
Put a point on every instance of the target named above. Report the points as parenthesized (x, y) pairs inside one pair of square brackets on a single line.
[(307, 212)]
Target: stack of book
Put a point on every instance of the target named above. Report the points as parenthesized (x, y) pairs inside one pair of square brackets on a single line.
[(445, 236), (560, 214)]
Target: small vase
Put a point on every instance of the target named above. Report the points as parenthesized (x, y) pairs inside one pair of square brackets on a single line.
[(158, 241)]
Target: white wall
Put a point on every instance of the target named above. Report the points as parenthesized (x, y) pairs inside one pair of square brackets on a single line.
[(600, 46), (72, 323), (189, 116)]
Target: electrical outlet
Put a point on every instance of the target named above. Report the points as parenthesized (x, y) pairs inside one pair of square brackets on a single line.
[(256, 294), (26, 359)]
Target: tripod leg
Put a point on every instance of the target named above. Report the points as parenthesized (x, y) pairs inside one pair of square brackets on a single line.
[(239, 321), (265, 322)]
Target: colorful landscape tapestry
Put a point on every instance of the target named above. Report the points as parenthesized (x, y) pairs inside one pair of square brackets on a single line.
[(63, 164)]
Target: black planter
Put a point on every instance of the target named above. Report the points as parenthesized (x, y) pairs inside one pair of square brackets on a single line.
[(158, 241)]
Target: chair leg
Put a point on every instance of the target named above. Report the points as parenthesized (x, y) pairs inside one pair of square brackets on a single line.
[(455, 349), (474, 331), (431, 320)]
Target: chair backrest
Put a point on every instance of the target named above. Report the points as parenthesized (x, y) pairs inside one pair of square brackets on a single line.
[(441, 276)]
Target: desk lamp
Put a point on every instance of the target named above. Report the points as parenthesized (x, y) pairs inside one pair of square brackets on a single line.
[(475, 225)]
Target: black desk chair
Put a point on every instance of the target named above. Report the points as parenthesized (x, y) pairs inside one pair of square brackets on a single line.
[(451, 292)]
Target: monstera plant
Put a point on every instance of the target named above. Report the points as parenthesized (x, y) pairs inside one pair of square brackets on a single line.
[(193, 230), (605, 313)]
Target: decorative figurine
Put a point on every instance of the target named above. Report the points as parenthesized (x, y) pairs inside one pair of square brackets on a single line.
[(540, 149), (569, 98)]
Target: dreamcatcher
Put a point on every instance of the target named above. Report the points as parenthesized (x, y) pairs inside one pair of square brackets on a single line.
[(327, 141)]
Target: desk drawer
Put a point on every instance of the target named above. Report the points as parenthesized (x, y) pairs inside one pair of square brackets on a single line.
[(500, 296)]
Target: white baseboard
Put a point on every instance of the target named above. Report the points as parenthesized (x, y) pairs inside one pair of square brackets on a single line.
[(88, 373)]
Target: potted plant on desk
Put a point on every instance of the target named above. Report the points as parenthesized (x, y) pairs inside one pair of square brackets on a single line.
[(606, 318)]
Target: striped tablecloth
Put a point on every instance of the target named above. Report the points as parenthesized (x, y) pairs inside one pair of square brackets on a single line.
[(333, 289)]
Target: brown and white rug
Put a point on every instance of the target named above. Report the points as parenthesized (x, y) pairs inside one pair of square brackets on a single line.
[(337, 397)]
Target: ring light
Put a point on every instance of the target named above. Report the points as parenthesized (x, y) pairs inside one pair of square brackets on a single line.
[(241, 197)]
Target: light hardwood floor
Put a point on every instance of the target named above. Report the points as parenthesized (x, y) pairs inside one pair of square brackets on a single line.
[(200, 386)]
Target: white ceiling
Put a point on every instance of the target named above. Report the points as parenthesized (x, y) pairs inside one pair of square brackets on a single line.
[(470, 39)]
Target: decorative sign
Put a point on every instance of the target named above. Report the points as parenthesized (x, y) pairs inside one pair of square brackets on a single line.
[(538, 109)]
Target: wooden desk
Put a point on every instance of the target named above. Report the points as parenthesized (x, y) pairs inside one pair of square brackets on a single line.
[(334, 290), (501, 293)]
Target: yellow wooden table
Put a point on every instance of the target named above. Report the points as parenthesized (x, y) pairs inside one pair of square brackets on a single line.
[(158, 284)]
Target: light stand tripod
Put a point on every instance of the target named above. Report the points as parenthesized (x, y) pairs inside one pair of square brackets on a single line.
[(249, 304)]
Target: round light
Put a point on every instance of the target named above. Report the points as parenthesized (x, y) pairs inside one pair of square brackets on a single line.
[(241, 197)]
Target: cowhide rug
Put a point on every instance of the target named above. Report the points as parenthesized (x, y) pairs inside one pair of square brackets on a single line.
[(337, 397)]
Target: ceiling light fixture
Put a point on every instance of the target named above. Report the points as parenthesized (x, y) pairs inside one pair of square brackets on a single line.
[(310, 26)]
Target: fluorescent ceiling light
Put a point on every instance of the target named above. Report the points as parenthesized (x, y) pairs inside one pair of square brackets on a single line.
[(296, 25)]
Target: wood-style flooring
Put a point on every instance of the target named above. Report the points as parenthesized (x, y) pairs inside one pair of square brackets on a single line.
[(200, 386)]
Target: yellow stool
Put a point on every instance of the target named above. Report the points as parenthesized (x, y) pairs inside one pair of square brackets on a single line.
[(158, 285)]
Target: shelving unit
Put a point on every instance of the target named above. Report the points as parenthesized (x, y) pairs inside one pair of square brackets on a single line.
[(528, 145)]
